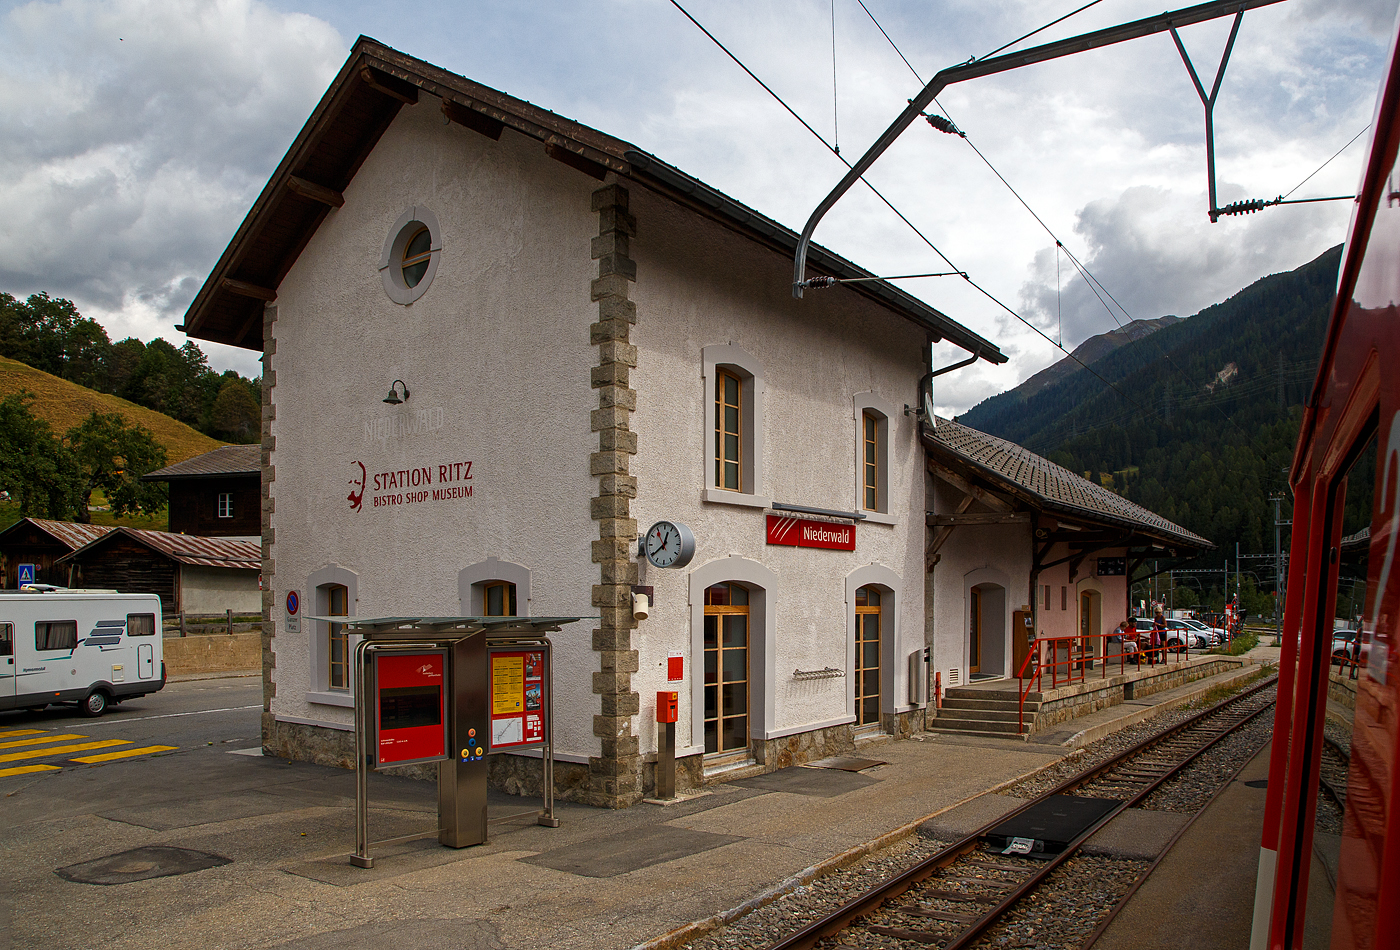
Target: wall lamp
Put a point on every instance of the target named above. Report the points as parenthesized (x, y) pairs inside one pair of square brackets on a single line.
[(393, 397)]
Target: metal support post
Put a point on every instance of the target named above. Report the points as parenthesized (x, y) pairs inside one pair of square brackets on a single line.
[(665, 760), (462, 777), (361, 858)]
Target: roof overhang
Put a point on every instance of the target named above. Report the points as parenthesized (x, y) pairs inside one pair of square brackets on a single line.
[(366, 95)]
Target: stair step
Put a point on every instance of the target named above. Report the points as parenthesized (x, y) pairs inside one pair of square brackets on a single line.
[(983, 715), (961, 702), (951, 724)]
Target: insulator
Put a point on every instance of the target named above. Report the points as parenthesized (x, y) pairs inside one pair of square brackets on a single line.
[(1244, 207), (942, 124), (819, 283)]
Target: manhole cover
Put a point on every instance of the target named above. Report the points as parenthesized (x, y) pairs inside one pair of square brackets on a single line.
[(140, 864)]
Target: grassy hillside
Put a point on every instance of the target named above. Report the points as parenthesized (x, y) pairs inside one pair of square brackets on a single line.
[(63, 405)]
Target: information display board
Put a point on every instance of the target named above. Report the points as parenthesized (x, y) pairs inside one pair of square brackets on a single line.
[(519, 679), (410, 707)]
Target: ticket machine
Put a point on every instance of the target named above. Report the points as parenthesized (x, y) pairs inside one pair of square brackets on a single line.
[(450, 690)]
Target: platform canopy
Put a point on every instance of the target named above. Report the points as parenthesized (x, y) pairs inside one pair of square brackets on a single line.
[(450, 627)]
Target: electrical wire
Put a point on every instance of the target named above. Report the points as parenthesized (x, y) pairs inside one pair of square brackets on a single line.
[(1032, 32), (1090, 280), (980, 289), (835, 117), (1326, 163)]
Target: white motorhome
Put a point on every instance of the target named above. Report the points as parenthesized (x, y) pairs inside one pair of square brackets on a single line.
[(91, 648)]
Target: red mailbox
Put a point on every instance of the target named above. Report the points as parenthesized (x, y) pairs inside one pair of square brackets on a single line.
[(410, 707), (667, 706)]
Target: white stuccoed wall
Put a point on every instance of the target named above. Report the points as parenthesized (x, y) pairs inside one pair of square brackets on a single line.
[(496, 356), (700, 284)]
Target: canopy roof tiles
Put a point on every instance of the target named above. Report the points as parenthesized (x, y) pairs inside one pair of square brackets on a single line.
[(1048, 487)]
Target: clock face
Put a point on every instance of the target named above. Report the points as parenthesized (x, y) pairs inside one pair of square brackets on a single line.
[(669, 544)]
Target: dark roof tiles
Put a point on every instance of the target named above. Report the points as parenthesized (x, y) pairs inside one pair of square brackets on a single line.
[(225, 460), (1056, 487)]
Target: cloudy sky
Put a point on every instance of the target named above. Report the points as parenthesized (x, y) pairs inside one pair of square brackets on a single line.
[(134, 135)]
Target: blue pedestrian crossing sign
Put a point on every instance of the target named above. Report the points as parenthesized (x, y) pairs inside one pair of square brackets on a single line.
[(26, 574)]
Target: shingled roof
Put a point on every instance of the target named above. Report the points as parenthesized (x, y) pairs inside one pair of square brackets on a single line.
[(373, 85), (186, 548), (1045, 485), (225, 460), (69, 533)]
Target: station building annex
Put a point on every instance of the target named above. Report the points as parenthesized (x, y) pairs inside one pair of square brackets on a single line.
[(579, 341)]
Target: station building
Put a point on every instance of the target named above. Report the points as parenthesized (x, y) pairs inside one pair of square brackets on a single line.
[(499, 346)]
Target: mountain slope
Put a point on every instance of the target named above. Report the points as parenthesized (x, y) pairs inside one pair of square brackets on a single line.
[(63, 405), (1203, 414)]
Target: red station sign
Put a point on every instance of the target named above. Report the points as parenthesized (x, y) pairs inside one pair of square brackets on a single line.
[(802, 533), (410, 707)]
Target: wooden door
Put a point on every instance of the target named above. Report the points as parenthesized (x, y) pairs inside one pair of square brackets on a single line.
[(1020, 640), (974, 649)]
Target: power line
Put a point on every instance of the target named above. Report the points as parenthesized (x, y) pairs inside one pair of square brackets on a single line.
[(986, 293), (1033, 32), (1326, 163)]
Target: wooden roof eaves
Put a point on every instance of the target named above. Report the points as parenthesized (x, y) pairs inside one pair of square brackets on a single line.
[(339, 89)]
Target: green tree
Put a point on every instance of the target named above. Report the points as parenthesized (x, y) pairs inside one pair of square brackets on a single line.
[(235, 414), (113, 455), (38, 471)]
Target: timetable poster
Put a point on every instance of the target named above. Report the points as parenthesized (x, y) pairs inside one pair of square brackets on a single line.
[(517, 698)]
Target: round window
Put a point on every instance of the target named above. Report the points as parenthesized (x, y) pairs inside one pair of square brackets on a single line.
[(411, 254)]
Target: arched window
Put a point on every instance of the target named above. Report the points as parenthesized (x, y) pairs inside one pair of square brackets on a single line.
[(499, 599), (867, 656), (726, 668), (733, 427), (338, 641)]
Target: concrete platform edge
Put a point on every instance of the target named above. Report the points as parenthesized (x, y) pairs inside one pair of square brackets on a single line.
[(1094, 733), (699, 928)]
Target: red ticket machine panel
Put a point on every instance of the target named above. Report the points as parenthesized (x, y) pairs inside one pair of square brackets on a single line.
[(518, 704), (410, 707)]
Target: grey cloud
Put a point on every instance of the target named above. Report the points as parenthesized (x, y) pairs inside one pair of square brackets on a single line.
[(134, 135)]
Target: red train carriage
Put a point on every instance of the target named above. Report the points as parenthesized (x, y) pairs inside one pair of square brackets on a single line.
[(1340, 886)]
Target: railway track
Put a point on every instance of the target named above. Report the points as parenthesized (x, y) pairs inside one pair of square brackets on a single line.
[(952, 899)]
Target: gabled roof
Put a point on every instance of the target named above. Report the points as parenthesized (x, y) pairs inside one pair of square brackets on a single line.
[(225, 460), (185, 548), (356, 110), (1046, 486), (67, 533)]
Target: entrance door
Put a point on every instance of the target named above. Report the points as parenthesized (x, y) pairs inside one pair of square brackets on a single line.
[(7, 664), (726, 668), (867, 656), (974, 648), (1020, 640)]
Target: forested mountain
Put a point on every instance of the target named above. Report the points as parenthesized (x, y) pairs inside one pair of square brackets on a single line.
[(1203, 415), (1090, 351), (48, 333)]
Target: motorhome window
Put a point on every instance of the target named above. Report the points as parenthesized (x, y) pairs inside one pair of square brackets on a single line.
[(7, 639), (140, 625), (56, 635)]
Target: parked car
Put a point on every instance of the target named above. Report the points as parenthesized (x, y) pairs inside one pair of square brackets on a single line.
[(1214, 635), (1346, 646)]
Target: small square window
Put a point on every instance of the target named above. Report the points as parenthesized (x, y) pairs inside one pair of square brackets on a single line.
[(226, 504), (140, 625), (56, 635)]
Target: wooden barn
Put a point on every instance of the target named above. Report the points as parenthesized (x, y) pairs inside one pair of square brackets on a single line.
[(191, 574), (217, 494), (39, 543)]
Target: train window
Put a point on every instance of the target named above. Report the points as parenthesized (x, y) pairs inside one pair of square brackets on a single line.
[(140, 625), (56, 635)]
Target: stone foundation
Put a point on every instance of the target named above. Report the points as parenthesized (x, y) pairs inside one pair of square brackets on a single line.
[(1341, 689), (214, 653), (1080, 699)]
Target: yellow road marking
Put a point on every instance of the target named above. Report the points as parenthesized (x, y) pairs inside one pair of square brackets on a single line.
[(39, 741), (25, 769), (20, 732), (62, 750), (126, 753)]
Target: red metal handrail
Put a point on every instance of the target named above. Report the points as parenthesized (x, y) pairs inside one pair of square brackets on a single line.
[(1078, 662)]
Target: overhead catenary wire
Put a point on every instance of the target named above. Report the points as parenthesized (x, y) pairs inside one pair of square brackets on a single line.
[(980, 289), (835, 109), (1090, 280)]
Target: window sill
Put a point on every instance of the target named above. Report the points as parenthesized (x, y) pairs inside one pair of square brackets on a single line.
[(722, 496), (877, 517), (330, 698)]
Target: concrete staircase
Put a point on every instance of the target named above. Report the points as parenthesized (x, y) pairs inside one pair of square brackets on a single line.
[(978, 711)]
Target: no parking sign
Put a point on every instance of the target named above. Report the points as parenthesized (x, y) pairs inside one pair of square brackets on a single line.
[(293, 621)]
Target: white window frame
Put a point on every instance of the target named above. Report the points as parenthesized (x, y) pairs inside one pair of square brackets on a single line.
[(472, 581), (225, 504), (749, 370), (318, 633), (886, 415)]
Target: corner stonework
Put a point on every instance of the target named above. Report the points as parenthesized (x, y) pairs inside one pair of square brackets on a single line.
[(269, 572), (615, 776)]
